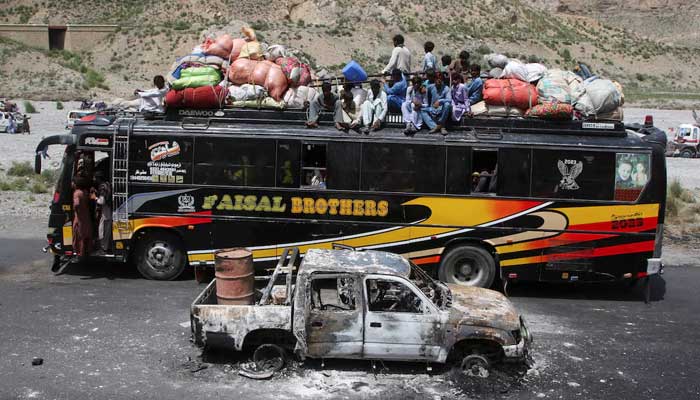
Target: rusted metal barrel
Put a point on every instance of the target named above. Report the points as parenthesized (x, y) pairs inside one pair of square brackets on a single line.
[(235, 276)]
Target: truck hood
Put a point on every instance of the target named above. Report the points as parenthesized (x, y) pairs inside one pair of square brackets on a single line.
[(482, 307)]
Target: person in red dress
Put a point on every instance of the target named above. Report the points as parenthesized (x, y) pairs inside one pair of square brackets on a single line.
[(82, 223)]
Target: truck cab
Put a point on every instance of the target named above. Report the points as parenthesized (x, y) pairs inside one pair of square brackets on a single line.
[(368, 305), (686, 142)]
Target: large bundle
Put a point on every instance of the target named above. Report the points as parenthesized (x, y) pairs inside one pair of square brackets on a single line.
[(514, 70), (481, 108), (557, 85), (297, 74), (201, 97), (196, 77), (510, 93), (597, 96), (246, 92), (251, 48), (274, 52), (220, 47), (535, 71), (496, 60), (551, 111), (296, 97), (266, 103), (264, 73)]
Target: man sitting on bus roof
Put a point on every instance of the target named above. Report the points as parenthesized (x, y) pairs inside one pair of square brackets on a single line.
[(416, 99), (152, 100), (396, 92), (326, 100), (374, 108), (347, 113), (435, 116), (476, 86)]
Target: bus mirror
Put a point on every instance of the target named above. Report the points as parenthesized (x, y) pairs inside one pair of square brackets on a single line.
[(37, 163)]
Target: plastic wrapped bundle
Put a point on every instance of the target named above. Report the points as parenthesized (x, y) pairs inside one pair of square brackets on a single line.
[(296, 97), (510, 93), (196, 77), (263, 73)]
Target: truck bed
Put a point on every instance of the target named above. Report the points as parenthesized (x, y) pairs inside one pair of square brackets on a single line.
[(228, 325)]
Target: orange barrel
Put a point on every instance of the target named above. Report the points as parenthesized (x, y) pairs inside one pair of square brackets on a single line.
[(235, 276)]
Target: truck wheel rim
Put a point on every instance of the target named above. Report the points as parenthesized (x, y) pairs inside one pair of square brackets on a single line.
[(467, 271), (160, 256), (475, 365)]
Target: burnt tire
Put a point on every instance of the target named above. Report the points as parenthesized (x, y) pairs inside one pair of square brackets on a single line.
[(468, 266), (687, 153), (160, 256)]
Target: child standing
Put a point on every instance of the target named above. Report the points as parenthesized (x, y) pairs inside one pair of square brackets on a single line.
[(429, 60)]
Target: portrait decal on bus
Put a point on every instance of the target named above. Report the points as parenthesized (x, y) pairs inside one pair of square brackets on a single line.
[(570, 170), (631, 175)]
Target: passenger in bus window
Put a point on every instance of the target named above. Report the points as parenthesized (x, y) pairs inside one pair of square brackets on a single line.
[(317, 180), (324, 101), (374, 108), (103, 199)]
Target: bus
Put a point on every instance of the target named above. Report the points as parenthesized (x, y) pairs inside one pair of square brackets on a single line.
[(497, 199)]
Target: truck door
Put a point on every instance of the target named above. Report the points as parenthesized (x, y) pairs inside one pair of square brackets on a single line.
[(334, 322), (400, 324)]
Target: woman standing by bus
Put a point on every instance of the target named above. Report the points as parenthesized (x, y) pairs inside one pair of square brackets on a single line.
[(82, 222)]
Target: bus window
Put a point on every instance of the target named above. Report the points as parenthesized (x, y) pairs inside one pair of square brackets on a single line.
[(313, 166), (403, 168), (344, 166), (484, 170), (514, 172), (573, 174), (458, 173), (631, 175), (288, 163), (234, 162)]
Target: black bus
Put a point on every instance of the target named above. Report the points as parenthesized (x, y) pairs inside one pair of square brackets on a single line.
[(515, 199)]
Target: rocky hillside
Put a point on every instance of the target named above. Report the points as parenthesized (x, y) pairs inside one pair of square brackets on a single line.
[(642, 44)]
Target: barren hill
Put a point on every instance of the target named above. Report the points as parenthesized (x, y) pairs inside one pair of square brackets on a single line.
[(647, 45)]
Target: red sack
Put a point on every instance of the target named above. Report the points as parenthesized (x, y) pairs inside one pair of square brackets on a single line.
[(551, 111), (297, 74), (221, 47), (263, 73), (510, 93), (201, 97)]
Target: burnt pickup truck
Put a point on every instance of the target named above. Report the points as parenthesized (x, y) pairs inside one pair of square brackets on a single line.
[(365, 305)]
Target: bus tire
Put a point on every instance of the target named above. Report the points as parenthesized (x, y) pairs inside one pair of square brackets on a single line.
[(160, 256), (687, 153), (468, 266)]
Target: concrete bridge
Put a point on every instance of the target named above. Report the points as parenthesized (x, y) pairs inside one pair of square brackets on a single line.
[(58, 37)]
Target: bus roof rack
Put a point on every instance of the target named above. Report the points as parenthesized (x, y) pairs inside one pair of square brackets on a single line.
[(486, 125)]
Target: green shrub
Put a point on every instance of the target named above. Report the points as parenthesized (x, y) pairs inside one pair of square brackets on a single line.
[(29, 107), (49, 176), (38, 187), (675, 189), (20, 169), (59, 105), (672, 206)]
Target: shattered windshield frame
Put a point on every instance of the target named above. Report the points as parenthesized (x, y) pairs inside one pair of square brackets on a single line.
[(436, 291)]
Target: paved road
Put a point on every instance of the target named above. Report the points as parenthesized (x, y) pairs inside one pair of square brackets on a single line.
[(105, 333)]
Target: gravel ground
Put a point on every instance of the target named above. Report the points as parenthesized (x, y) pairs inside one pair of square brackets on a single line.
[(50, 121)]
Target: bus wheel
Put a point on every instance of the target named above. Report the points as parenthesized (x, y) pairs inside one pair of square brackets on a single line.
[(160, 256), (468, 266), (687, 153)]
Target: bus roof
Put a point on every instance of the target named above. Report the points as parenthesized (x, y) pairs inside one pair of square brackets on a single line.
[(265, 123)]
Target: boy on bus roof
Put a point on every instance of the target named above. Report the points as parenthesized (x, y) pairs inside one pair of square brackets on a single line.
[(396, 92), (476, 86), (429, 59), (326, 100), (416, 99)]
